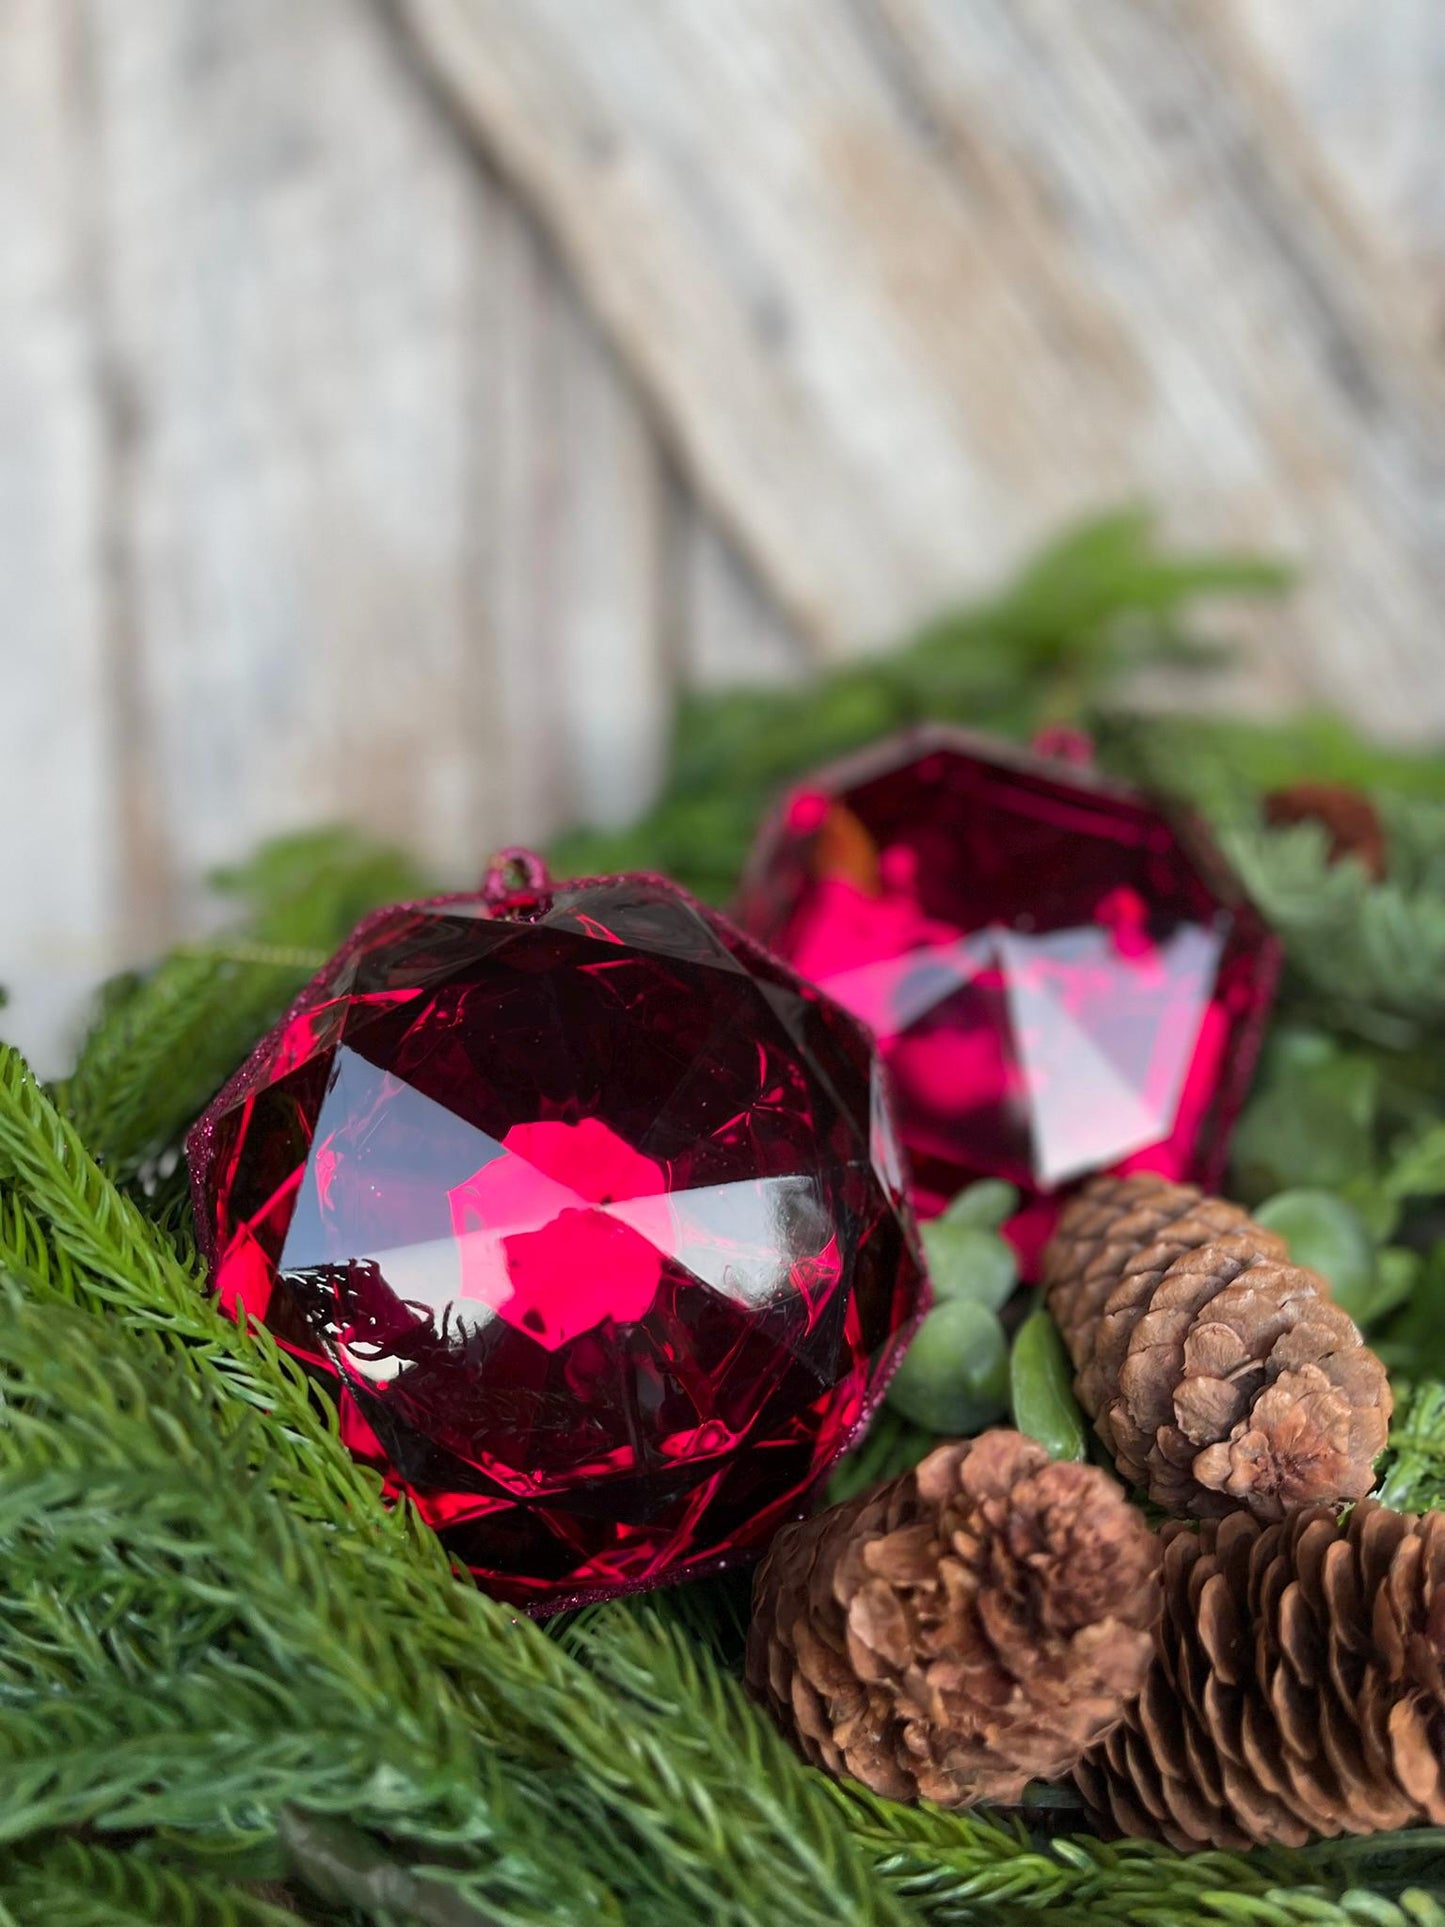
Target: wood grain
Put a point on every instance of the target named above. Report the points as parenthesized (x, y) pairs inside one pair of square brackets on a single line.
[(1368, 85), (912, 280), (394, 506), (397, 397), (731, 629), (59, 857)]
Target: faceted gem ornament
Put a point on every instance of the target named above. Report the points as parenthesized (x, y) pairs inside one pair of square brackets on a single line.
[(590, 1213), (1060, 977)]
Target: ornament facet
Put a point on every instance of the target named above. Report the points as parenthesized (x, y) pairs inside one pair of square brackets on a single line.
[(592, 1216), (1060, 978)]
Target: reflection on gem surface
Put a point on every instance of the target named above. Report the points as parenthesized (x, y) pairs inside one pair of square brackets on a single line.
[(591, 1213), (1057, 978)]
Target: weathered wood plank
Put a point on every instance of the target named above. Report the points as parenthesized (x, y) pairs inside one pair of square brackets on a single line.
[(295, 268), (731, 631), (57, 872), (574, 509), (393, 506), (1367, 85), (321, 495), (912, 281)]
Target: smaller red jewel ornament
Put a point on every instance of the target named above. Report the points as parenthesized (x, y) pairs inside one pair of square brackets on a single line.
[(1061, 977), (591, 1215)]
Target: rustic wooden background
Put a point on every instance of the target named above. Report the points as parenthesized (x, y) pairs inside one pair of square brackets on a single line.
[(398, 397)]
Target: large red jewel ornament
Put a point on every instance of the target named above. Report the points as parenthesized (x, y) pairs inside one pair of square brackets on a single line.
[(590, 1212), (1060, 978)]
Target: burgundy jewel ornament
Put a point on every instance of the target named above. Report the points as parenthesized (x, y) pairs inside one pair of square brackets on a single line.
[(589, 1211), (1061, 978)]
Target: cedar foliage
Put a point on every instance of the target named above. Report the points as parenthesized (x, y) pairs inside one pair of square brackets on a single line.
[(236, 1689)]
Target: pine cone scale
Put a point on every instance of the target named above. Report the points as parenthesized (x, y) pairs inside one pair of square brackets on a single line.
[(979, 1622), (1112, 1222), (1415, 1761), (1221, 1636), (1217, 1373), (1296, 1687)]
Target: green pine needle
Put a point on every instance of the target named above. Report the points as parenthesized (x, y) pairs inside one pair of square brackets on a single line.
[(163, 1042), (74, 1883), (71, 1237), (1370, 956), (967, 1867), (221, 1650), (1054, 644), (159, 1052), (1413, 1478)]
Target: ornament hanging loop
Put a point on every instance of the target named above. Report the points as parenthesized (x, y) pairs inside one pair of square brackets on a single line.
[(512, 873), (1063, 743)]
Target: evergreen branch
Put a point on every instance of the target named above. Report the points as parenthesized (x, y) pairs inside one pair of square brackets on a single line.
[(1418, 1169), (153, 1059), (609, 1731), (276, 1681), (341, 1864), (720, 1752), (894, 1444), (144, 1548), (1370, 955), (1413, 1478), (72, 1883), (308, 889), (212, 1622), (1415, 838), (963, 1867), (1221, 765), (164, 1042), (71, 1235), (1102, 600)]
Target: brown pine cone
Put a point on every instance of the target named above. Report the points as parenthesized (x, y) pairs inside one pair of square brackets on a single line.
[(1349, 818), (1296, 1687), (1217, 1373), (965, 1628)]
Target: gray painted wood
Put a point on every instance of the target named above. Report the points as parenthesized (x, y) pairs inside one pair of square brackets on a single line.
[(397, 397), (732, 629), (60, 875), (1368, 84), (912, 280)]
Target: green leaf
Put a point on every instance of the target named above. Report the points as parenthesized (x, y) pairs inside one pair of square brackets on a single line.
[(1326, 1234), (1413, 1341), (1419, 1168), (964, 1262), (954, 1376), (1041, 1389), (1311, 1122), (983, 1206)]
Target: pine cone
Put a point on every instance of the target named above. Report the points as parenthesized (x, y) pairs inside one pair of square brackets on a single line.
[(1296, 1687), (1349, 818), (967, 1627), (1217, 1373)]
